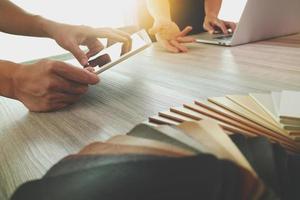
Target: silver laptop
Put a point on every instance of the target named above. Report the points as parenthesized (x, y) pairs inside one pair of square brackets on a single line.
[(261, 19)]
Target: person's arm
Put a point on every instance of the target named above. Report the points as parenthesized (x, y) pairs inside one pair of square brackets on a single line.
[(159, 9), (45, 85), (7, 69), (166, 31), (212, 9), (14, 20)]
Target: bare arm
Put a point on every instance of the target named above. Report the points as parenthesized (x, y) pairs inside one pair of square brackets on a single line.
[(7, 69), (50, 85), (212, 7), (166, 31), (15, 20), (159, 9), (45, 85)]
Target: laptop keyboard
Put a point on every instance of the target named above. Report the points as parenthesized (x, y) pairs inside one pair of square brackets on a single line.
[(224, 37)]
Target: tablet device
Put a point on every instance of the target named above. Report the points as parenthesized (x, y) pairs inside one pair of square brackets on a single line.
[(112, 55)]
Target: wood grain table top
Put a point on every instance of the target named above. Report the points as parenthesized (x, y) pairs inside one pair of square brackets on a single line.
[(152, 81)]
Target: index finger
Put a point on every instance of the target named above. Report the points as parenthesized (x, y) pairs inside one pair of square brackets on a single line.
[(112, 34), (231, 25), (186, 39), (185, 31), (222, 26), (75, 74)]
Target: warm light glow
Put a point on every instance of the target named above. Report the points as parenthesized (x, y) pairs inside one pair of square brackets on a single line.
[(90, 12), (97, 13)]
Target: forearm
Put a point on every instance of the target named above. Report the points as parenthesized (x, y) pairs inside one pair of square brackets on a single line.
[(159, 9), (14, 20), (212, 7), (7, 72)]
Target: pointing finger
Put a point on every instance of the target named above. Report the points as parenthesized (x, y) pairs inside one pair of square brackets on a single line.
[(185, 31), (231, 25), (186, 39), (179, 46), (75, 74), (78, 54), (166, 44), (208, 27), (222, 26)]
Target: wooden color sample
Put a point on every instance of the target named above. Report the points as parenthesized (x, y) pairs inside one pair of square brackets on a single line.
[(245, 128), (289, 105), (289, 121), (210, 135), (261, 130), (162, 120), (181, 137), (141, 142), (193, 111), (250, 105), (187, 115), (276, 101), (222, 112), (99, 148), (174, 116), (207, 114), (291, 128), (233, 107), (177, 138), (266, 102)]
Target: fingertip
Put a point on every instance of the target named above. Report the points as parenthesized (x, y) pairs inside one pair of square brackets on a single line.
[(209, 30), (185, 50), (94, 79), (151, 31), (189, 28), (84, 61), (90, 69), (173, 50)]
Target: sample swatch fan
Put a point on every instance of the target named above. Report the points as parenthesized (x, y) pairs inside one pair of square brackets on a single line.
[(208, 150), (197, 160), (272, 115)]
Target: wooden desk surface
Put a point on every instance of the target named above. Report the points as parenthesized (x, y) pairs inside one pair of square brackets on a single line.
[(134, 90)]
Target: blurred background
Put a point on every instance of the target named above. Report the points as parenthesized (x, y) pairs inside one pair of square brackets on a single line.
[(97, 13)]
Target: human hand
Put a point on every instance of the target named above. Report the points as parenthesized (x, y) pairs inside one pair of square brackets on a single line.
[(170, 37), (51, 85), (212, 24), (71, 37)]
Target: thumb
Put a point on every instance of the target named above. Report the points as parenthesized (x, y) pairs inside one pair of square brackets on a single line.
[(209, 28), (79, 55), (154, 30)]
